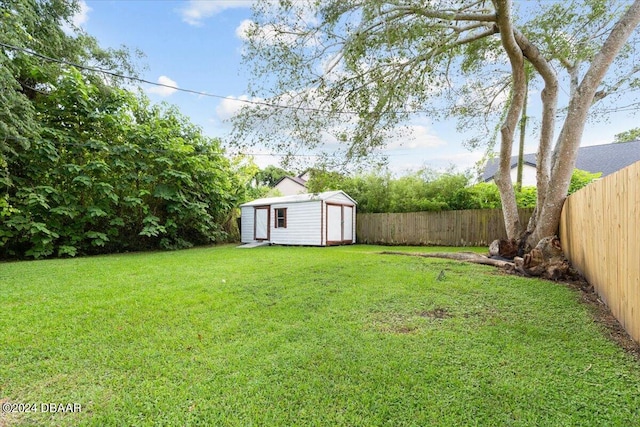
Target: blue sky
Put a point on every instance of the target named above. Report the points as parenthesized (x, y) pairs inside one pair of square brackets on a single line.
[(197, 45)]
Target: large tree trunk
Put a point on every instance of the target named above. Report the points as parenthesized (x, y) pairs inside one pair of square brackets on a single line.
[(549, 98), (507, 132), (564, 158), (554, 171)]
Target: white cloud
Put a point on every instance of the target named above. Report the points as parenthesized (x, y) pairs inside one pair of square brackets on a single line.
[(461, 159), (268, 34), (231, 105), (440, 160), (271, 34), (415, 136), (78, 19), (244, 28), (197, 11), (82, 15), (164, 90)]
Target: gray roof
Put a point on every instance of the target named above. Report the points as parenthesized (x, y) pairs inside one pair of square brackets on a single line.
[(607, 158), (295, 179)]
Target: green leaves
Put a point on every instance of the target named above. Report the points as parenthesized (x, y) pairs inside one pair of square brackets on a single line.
[(581, 178), (98, 181), (152, 227), (628, 136), (97, 238), (87, 167)]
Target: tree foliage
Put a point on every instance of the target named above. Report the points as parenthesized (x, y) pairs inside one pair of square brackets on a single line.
[(270, 175), (380, 192), (581, 178), (628, 136), (28, 26), (351, 72), (88, 167), (110, 172), (426, 190)]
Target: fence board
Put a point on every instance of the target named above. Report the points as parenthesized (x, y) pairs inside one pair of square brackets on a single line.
[(600, 233), (446, 228)]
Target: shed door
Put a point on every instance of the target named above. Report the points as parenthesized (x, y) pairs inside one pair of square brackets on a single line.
[(347, 223), (261, 223), (334, 223)]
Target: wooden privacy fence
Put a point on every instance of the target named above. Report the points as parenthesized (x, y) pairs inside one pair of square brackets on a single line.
[(446, 228), (600, 233)]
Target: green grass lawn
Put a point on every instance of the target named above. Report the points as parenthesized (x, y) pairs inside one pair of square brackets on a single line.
[(303, 336)]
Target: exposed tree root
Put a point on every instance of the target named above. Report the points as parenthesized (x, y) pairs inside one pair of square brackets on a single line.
[(459, 256), (546, 260)]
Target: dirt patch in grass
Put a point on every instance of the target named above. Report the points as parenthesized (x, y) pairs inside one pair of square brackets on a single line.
[(404, 329), (436, 313), (408, 323), (394, 323)]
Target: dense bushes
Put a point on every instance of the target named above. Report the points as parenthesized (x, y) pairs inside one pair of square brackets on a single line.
[(426, 190), (109, 172), (88, 167)]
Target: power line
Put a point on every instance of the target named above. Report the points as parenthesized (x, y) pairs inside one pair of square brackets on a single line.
[(140, 80), (195, 153), (176, 88), (630, 107)]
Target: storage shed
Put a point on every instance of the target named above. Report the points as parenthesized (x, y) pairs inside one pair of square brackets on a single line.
[(320, 219)]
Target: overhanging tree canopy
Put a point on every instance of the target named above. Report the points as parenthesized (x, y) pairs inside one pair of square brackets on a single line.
[(351, 72)]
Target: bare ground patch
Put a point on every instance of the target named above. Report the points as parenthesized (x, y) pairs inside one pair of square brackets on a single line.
[(436, 313)]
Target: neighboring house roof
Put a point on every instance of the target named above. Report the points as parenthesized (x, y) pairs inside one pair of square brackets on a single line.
[(491, 167), (289, 185), (298, 198), (607, 158), (297, 179)]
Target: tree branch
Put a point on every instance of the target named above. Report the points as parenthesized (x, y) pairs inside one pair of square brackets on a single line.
[(516, 58), (456, 16), (564, 157), (601, 94), (549, 98)]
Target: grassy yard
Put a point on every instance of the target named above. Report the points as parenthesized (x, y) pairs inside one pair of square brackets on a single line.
[(302, 336)]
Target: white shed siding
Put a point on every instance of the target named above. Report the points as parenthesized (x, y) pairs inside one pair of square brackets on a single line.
[(303, 224), (348, 223), (340, 198), (307, 216), (334, 223), (246, 224)]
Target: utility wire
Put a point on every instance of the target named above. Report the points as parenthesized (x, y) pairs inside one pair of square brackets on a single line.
[(196, 92), (176, 88), (140, 80), (149, 150), (211, 95)]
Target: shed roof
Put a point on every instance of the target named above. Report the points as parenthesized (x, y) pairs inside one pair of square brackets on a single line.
[(607, 158), (298, 198)]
